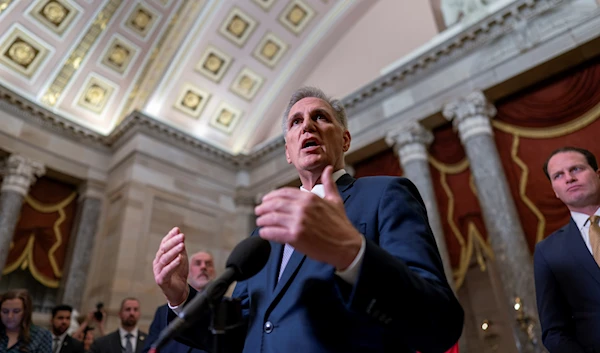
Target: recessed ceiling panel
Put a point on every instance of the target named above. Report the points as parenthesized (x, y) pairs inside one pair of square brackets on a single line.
[(192, 100), (226, 117), (22, 53), (96, 93), (214, 63), (56, 15), (238, 26), (141, 20), (296, 16), (270, 49), (119, 54), (247, 83)]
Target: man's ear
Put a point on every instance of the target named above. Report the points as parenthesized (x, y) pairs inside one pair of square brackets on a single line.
[(287, 155), (347, 138)]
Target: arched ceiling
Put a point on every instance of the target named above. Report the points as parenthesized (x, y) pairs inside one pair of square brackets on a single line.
[(213, 69)]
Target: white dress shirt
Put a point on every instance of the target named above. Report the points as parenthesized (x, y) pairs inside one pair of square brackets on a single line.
[(581, 219), (350, 275), (61, 339), (133, 339)]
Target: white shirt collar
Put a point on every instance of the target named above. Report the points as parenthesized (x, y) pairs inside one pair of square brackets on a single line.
[(319, 190), (61, 337), (581, 218), (123, 332)]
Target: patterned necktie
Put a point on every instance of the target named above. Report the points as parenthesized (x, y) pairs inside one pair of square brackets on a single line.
[(287, 253), (56, 345), (595, 237), (128, 345)]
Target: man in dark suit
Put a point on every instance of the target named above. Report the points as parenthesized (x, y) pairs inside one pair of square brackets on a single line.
[(353, 267), (127, 338), (202, 271), (567, 276), (60, 322)]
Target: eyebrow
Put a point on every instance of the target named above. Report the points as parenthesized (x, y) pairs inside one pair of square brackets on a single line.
[(312, 113)]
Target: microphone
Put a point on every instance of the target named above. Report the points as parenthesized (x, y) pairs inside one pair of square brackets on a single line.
[(246, 260)]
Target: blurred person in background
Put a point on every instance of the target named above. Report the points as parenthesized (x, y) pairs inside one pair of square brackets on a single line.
[(17, 333)]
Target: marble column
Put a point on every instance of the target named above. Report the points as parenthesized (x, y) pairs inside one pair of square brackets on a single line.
[(19, 174), (82, 243), (471, 116), (410, 143)]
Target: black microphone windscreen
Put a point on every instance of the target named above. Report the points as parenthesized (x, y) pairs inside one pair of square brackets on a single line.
[(249, 257)]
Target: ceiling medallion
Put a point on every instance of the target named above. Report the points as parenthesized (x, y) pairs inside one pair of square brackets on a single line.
[(191, 100), (270, 49), (95, 94), (238, 26), (296, 16), (119, 54), (22, 53), (57, 15), (246, 84), (214, 63), (226, 117), (141, 20)]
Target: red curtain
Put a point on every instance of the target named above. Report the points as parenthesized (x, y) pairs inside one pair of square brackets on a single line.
[(563, 110), (530, 125), (43, 231)]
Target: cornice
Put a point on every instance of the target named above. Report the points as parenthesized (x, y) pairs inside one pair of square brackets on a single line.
[(33, 113), (139, 122), (451, 48)]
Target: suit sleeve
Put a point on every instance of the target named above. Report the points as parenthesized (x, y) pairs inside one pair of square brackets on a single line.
[(76, 346), (401, 283), (199, 336), (555, 317), (154, 330)]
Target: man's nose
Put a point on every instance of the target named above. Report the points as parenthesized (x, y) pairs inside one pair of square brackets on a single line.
[(308, 124)]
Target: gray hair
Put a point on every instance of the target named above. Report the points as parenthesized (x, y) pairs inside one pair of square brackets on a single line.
[(308, 92)]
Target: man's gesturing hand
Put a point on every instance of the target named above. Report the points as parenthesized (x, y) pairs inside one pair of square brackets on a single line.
[(170, 267), (318, 228)]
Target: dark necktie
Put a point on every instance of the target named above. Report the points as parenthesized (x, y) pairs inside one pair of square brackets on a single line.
[(128, 345), (56, 345)]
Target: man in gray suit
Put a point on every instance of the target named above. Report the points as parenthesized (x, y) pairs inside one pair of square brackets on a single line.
[(127, 338)]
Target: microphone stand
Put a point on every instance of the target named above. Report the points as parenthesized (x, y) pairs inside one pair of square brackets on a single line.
[(226, 314)]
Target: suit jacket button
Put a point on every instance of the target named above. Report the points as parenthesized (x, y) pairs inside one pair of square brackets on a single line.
[(269, 327)]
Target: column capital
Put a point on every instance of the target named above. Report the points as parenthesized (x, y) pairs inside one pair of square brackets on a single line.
[(20, 173), (244, 198), (410, 141), (91, 189), (471, 115)]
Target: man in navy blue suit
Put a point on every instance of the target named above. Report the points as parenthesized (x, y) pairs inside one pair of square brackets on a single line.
[(353, 267), (202, 271), (567, 276)]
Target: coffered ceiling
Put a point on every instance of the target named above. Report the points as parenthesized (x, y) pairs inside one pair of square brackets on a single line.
[(214, 69)]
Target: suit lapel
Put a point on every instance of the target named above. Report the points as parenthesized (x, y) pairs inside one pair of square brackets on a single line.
[(116, 342), (273, 269), (580, 252), (141, 340), (344, 184), (65, 348)]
